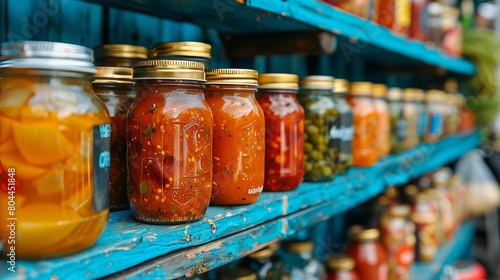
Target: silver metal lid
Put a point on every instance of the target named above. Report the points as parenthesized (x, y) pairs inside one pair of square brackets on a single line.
[(47, 55)]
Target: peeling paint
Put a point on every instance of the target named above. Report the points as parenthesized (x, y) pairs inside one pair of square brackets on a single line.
[(284, 205), (187, 236), (212, 225)]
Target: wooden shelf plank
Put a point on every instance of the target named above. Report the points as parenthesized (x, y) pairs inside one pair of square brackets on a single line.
[(126, 243)]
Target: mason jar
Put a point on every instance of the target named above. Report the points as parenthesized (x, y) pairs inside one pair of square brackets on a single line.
[(340, 91), (54, 146), (169, 139)]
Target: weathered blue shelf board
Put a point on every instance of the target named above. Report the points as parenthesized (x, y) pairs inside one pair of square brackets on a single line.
[(365, 38), (448, 254), (132, 249)]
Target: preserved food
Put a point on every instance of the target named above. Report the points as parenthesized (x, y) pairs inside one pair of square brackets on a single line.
[(398, 122), (368, 254), (169, 138), (266, 264), (190, 51), (418, 20), (360, 8), (322, 128), (301, 263), (425, 219), (394, 14), (119, 55), (411, 115), (435, 115), (55, 147), (284, 116), (422, 114), (340, 267), (384, 120), (115, 88), (340, 90), (239, 136), (364, 142)]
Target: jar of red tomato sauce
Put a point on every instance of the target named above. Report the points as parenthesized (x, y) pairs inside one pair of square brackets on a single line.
[(239, 136), (54, 150), (115, 87), (384, 119), (169, 138), (365, 141), (340, 267), (369, 255), (284, 116)]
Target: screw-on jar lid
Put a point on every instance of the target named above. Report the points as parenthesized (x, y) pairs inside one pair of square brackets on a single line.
[(169, 69), (195, 49), (394, 94), (411, 94), (340, 86), (399, 211), (361, 88), (337, 262), (113, 75), (379, 90), (48, 56), (237, 273), (298, 246), (279, 81), (317, 82), (365, 235), (435, 95), (121, 51), (264, 253), (232, 76)]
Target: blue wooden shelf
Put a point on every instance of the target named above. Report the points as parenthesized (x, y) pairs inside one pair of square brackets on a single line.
[(128, 249), (448, 254), (360, 36)]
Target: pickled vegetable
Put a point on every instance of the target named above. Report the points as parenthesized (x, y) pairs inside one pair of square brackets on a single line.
[(340, 90), (47, 138)]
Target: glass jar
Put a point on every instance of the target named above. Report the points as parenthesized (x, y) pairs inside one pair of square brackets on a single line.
[(340, 267), (55, 137), (322, 129), (398, 122), (300, 262), (384, 119), (467, 118), (365, 120), (284, 116), (115, 87), (418, 20), (394, 14), (266, 264), (236, 273), (119, 55), (451, 119), (360, 8), (435, 112), (367, 252), (169, 139), (191, 51), (399, 241), (425, 220), (433, 200), (411, 114), (434, 24), (457, 186), (419, 97), (340, 90), (239, 136), (446, 203)]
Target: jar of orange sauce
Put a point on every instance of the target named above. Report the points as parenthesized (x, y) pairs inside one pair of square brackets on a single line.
[(384, 119), (365, 119), (239, 136), (55, 146)]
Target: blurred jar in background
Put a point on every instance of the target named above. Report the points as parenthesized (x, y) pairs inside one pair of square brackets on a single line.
[(191, 51), (300, 262), (398, 124), (284, 167), (115, 87), (367, 252), (340, 267), (418, 19), (434, 25), (425, 220), (467, 119), (452, 31), (411, 114), (266, 264), (384, 119), (451, 120), (394, 14), (446, 201), (365, 141), (340, 91), (435, 115), (119, 55), (422, 114), (360, 8)]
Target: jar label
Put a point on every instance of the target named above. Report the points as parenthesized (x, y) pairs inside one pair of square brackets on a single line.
[(401, 129), (436, 125), (102, 161), (422, 124)]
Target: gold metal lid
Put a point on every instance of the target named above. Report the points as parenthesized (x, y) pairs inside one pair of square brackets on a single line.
[(121, 51), (317, 82), (391, 192), (423, 218), (431, 194), (278, 81), (400, 211), (450, 99), (195, 49), (298, 246), (379, 90), (451, 86), (394, 94), (336, 262), (232, 76), (361, 88), (274, 246), (340, 86), (412, 94), (411, 190), (169, 69), (434, 95), (264, 253), (383, 200), (237, 273), (365, 235), (113, 75)]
